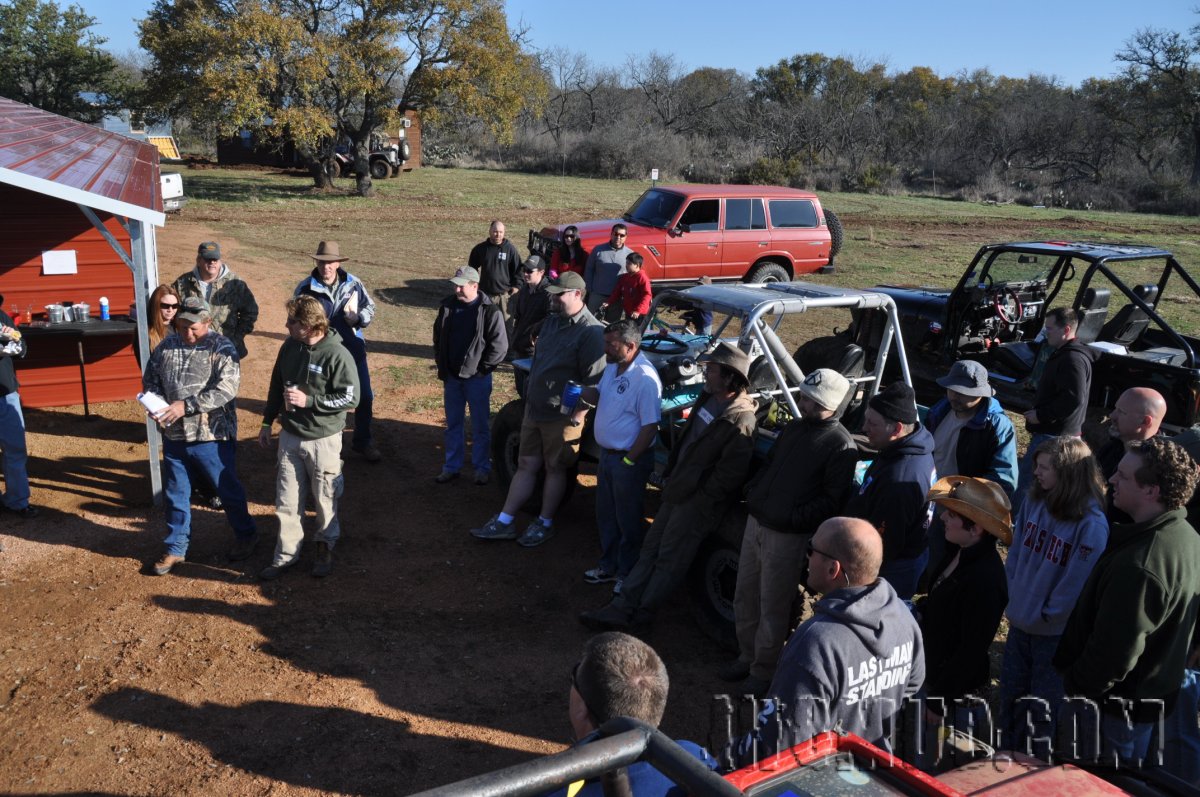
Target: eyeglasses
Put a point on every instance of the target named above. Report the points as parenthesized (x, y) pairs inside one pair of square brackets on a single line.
[(169, 305), (568, 237), (620, 234), (811, 549)]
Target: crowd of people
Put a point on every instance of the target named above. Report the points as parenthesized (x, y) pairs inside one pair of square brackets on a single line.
[(1100, 584)]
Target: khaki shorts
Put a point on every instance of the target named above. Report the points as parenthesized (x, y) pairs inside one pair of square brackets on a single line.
[(556, 441)]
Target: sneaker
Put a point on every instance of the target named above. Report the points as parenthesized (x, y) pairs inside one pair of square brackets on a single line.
[(607, 618), (734, 671), (598, 575), (275, 571), (243, 548), (483, 476), (164, 565), (495, 530), (446, 476), (324, 564), (536, 534), (216, 503), (369, 452), (617, 586)]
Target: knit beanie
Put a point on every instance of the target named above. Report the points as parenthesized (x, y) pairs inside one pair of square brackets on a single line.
[(896, 402)]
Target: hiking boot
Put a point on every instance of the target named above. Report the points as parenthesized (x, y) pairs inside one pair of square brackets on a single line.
[(324, 564), (483, 477), (446, 476), (598, 575), (369, 452), (164, 565), (617, 586), (495, 530), (734, 671), (275, 571), (27, 512), (243, 548), (607, 618), (537, 533)]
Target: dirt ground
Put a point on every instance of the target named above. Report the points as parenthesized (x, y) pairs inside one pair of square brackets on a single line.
[(427, 656)]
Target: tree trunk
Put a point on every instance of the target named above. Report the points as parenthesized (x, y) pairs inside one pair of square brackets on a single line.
[(321, 179)]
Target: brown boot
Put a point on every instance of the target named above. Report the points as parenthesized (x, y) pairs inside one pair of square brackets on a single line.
[(164, 565), (324, 564)]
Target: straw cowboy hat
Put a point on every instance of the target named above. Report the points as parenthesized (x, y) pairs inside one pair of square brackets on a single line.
[(979, 500)]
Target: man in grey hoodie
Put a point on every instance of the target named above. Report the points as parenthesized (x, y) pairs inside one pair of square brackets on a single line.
[(851, 666)]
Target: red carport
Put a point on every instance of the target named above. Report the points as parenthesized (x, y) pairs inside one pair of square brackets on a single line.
[(80, 208)]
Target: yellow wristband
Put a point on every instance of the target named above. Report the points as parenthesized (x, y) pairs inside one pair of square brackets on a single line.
[(628, 461)]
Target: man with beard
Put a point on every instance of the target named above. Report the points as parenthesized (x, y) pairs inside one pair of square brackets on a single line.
[(604, 266), (808, 474), (628, 402), (230, 300), (570, 349)]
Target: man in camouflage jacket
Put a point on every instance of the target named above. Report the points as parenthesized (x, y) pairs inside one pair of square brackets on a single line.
[(234, 311), (196, 372)]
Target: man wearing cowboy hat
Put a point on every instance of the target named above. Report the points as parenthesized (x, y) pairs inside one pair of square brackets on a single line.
[(705, 473), (350, 310), (971, 437), (892, 495), (230, 301), (808, 474)]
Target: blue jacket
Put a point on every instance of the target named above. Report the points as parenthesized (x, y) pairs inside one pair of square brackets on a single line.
[(333, 299), (987, 444), (892, 496)]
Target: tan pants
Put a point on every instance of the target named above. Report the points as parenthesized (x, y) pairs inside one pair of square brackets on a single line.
[(305, 465), (767, 580)]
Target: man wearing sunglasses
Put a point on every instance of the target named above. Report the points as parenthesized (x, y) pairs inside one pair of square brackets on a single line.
[(604, 265), (851, 665)]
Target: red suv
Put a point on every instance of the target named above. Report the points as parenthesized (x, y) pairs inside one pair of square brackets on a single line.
[(727, 232)]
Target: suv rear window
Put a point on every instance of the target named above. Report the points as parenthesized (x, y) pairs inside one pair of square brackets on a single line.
[(792, 213), (744, 214)]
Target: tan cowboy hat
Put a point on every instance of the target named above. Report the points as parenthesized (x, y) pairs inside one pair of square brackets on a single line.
[(979, 500), (328, 251), (729, 356)]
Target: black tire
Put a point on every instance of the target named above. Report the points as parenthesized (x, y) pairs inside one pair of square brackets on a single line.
[(506, 444), (768, 271), (837, 235), (380, 169), (711, 583)]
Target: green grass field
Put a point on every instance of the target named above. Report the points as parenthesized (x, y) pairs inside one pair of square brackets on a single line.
[(406, 241)]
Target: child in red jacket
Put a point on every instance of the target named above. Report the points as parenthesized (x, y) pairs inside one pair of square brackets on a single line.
[(633, 290)]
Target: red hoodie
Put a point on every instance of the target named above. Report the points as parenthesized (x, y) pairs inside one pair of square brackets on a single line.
[(633, 291)]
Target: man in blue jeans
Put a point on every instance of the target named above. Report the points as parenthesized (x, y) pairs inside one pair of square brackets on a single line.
[(469, 341), (628, 402), (12, 423), (196, 372)]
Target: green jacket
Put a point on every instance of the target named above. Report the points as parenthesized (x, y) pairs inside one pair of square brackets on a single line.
[(326, 372), (718, 463), (234, 311), (1134, 623)]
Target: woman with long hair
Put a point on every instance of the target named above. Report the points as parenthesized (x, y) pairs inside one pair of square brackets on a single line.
[(162, 308), (568, 255), (1060, 532), (962, 611)]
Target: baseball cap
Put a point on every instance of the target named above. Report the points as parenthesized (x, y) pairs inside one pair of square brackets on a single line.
[(464, 275)]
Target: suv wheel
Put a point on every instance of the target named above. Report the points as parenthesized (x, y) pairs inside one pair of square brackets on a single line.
[(380, 169), (711, 583), (837, 235), (768, 271)]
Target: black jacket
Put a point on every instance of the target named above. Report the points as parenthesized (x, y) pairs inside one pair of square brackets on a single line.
[(527, 310), (959, 619), (487, 349), (498, 266), (1062, 396), (892, 496), (807, 476)]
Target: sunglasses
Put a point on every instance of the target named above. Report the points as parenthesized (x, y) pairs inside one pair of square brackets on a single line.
[(169, 305)]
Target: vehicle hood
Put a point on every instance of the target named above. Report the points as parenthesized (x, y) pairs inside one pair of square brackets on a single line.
[(912, 300)]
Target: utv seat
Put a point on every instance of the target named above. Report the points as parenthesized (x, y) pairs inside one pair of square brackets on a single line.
[(1130, 321)]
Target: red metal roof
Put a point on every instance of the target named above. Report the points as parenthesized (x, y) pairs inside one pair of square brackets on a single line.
[(77, 162)]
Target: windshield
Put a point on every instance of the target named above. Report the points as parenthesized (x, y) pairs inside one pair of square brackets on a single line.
[(655, 208), (1020, 267)]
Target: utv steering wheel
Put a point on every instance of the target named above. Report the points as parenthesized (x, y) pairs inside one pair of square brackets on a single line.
[(1008, 306)]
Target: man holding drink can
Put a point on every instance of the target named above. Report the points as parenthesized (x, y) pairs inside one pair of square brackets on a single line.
[(570, 349), (313, 385)]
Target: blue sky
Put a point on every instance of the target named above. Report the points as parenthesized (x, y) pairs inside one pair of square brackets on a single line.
[(1072, 39)]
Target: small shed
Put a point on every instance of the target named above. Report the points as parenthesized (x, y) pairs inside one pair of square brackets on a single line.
[(81, 206)]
